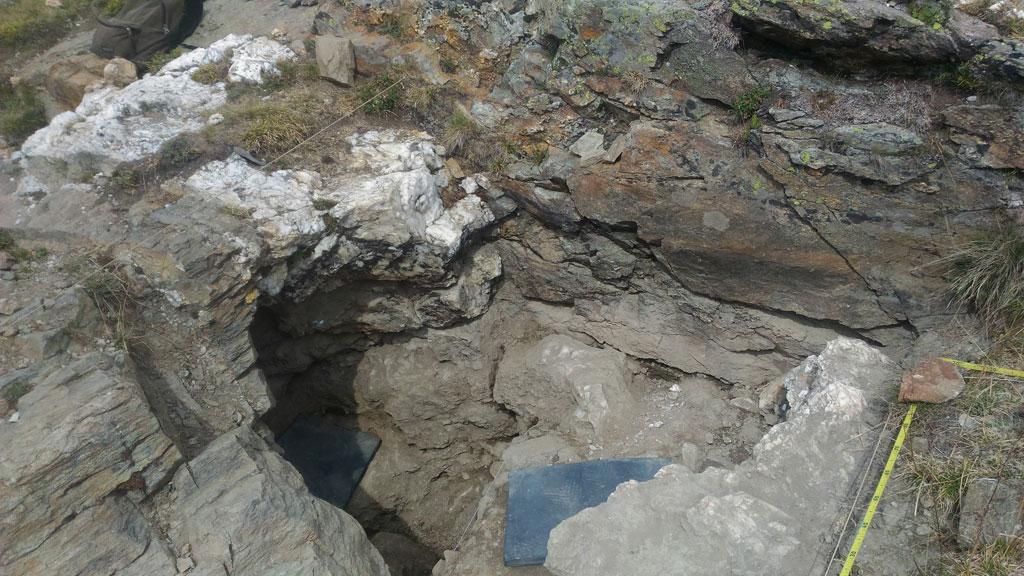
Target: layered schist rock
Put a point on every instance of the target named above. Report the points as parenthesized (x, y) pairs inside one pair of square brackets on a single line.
[(228, 234)]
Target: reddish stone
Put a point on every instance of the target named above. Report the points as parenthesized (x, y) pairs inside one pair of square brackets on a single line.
[(933, 381)]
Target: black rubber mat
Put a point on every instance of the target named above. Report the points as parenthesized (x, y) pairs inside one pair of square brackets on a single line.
[(540, 498), (331, 459)]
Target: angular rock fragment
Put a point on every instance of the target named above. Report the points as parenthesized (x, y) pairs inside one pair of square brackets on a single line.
[(933, 381), (336, 59)]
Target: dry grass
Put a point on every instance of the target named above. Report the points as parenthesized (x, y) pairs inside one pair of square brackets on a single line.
[(1001, 558), (988, 276), (458, 130), (114, 295), (275, 128), (898, 102), (636, 81)]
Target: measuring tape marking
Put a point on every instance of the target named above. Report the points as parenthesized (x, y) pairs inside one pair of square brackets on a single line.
[(986, 368), (858, 540)]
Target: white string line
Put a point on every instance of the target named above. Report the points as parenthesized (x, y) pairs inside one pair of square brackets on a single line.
[(860, 489), (28, 311)]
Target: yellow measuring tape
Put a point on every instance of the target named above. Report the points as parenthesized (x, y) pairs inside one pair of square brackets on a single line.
[(858, 541), (986, 368), (877, 497)]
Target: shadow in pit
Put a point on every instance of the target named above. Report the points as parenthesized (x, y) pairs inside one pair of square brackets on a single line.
[(315, 425)]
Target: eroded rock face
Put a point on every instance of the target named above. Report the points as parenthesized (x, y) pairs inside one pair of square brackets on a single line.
[(776, 506), (83, 432)]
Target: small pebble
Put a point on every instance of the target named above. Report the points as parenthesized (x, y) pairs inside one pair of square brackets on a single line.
[(14, 417)]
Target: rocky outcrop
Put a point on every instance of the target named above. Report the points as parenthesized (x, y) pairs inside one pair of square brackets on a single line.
[(682, 522), (642, 263), (849, 29), (114, 126), (83, 435)]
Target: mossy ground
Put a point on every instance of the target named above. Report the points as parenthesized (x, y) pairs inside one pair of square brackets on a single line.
[(21, 113)]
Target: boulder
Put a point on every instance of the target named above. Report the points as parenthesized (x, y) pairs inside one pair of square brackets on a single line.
[(990, 509), (779, 507), (120, 72), (336, 59), (68, 80)]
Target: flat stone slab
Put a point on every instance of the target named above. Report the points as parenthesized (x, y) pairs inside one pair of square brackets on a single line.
[(933, 381), (540, 498), (331, 459)]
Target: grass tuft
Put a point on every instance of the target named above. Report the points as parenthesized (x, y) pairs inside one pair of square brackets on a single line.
[(636, 81), (177, 152), (1000, 558), (212, 72), (383, 92), (458, 130), (988, 276), (160, 59), (20, 254), (112, 292), (274, 127), (14, 391)]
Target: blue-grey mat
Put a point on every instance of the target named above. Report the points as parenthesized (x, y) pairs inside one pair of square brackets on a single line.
[(540, 498), (330, 458)]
